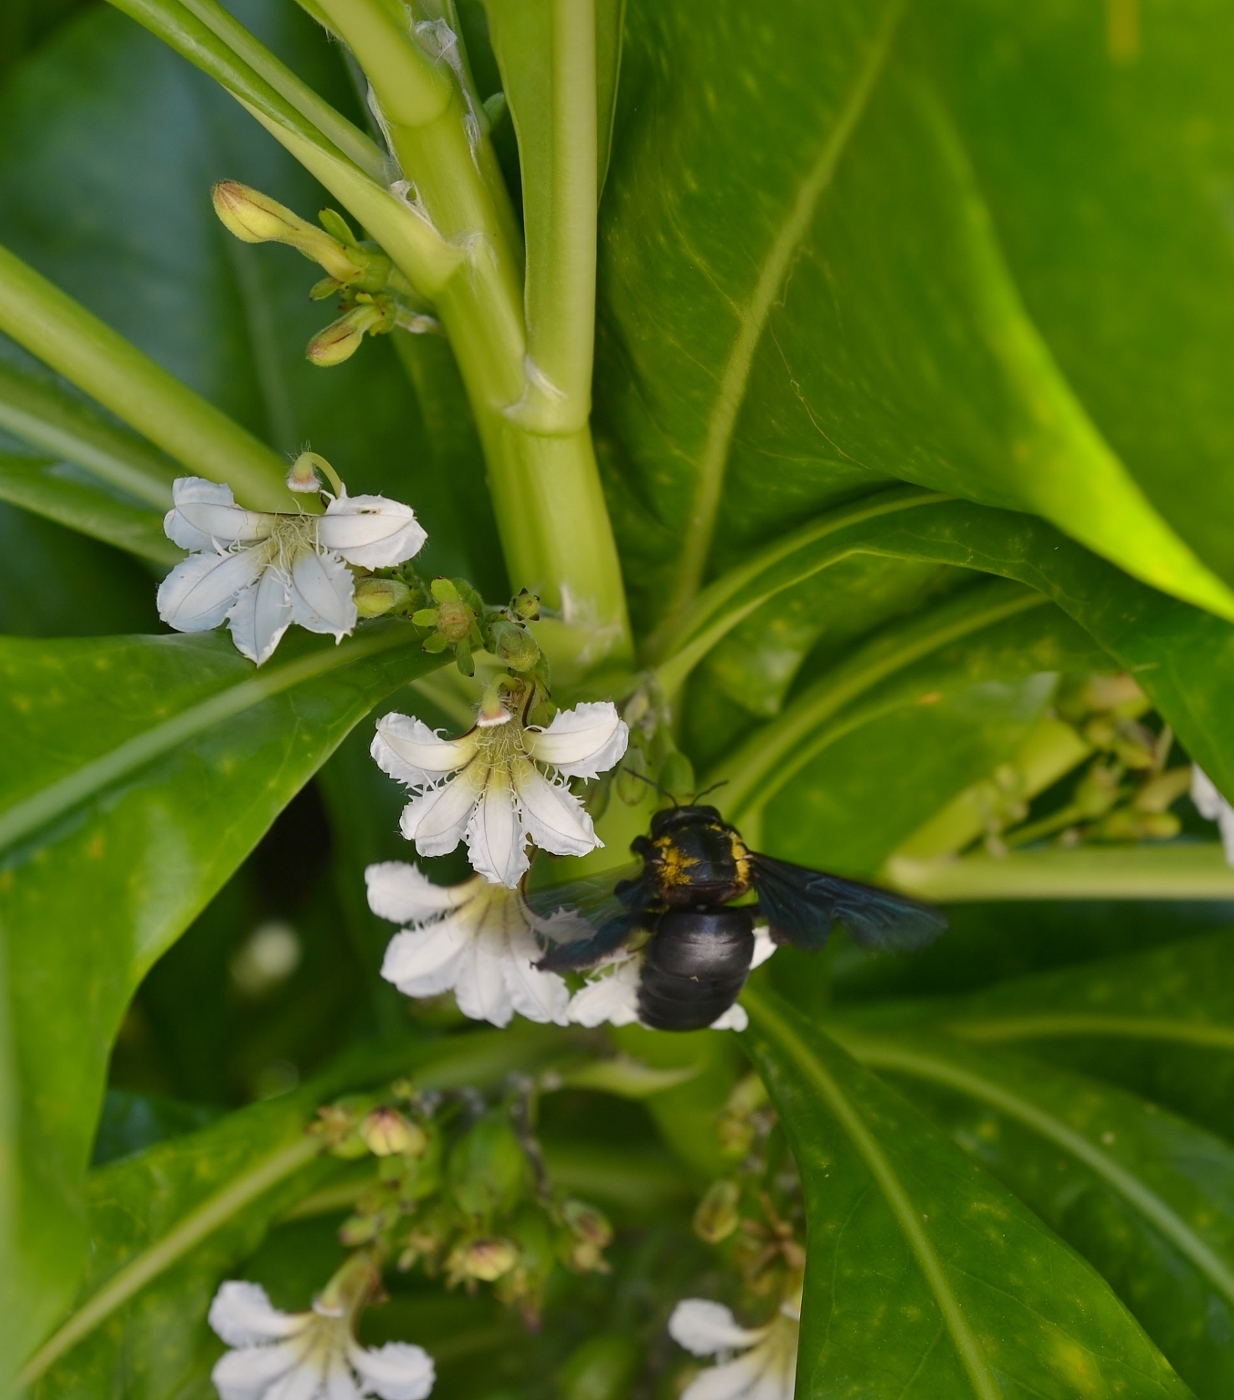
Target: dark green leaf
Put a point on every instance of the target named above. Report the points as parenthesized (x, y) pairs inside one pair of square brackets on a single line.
[(925, 1277)]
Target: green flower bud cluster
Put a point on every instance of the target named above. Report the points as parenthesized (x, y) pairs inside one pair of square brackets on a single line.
[(374, 296), (755, 1215), (461, 1196)]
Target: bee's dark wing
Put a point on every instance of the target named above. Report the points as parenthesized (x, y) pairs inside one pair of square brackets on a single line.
[(801, 906), (581, 923)]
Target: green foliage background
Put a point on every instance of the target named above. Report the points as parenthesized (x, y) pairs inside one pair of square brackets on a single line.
[(890, 297)]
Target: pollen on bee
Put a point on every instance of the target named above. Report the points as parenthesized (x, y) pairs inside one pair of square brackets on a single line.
[(674, 863)]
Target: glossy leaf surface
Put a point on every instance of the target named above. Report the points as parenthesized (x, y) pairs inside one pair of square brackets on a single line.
[(925, 1277)]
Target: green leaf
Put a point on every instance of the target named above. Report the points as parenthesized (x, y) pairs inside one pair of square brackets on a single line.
[(1147, 1198), (924, 1276), (71, 498), (147, 769), (838, 307), (168, 1224)]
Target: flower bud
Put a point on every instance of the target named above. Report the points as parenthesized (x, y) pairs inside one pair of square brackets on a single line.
[(455, 620), (376, 596), (256, 218), (587, 1223), (527, 606), (486, 1259), (1161, 791), (514, 645), (342, 338), (1129, 825), (386, 1132), (1097, 791), (717, 1215), (488, 1168), (359, 1229)]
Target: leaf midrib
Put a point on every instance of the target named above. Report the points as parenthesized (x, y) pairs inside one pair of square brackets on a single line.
[(968, 1348), (752, 320), (1148, 1203)]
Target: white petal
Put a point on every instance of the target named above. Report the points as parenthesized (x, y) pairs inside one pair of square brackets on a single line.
[(583, 742), (397, 1371), (260, 615), (763, 947), (437, 819), (495, 844), (746, 1378), (323, 594), (480, 984), (340, 1384), (371, 531), (734, 1019), (249, 1373), (242, 1314), (425, 962), (704, 1328), (197, 594), (204, 515), (540, 996), (302, 1383), (612, 998), (408, 750), (404, 893), (555, 819)]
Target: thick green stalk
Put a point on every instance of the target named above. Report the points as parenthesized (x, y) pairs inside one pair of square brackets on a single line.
[(550, 507), (112, 370)]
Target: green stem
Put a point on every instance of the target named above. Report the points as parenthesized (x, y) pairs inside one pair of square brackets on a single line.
[(122, 378), (779, 750), (1179, 870)]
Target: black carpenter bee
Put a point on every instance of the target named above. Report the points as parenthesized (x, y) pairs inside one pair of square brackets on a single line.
[(699, 946)]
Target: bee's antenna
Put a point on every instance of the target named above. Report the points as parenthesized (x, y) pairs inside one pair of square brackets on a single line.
[(651, 782), (707, 791)]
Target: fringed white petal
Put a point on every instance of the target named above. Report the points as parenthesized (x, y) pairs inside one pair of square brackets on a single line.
[(764, 946), (371, 531), (404, 894), (396, 1371), (424, 962), (705, 1327), (1210, 803), (205, 516), (260, 616), (555, 819), (243, 1315), (540, 996), (304, 1382), (480, 984), (495, 843), (752, 1376), (583, 742), (323, 594), (734, 1019), (612, 998), (409, 751), (251, 1372), (199, 591), (339, 1382), (437, 820)]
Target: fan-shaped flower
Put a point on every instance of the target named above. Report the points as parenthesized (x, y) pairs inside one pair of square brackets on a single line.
[(611, 992), (475, 939), (756, 1363), (1210, 803), (306, 1356), (497, 797), (260, 571)]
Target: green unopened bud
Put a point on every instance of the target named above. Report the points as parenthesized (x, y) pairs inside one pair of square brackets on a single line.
[(455, 620), (1129, 825), (386, 1132), (486, 1259), (514, 646), (587, 1223), (337, 226), (359, 1229), (527, 606), (488, 1168), (377, 596), (1162, 791), (1097, 791), (342, 338), (677, 774), (603, 1368), (717, 1215), (256, 218)]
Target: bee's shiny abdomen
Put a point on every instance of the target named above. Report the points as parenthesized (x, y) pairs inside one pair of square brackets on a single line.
[(694, 967)]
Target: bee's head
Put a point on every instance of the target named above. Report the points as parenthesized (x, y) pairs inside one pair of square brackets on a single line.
[(677, 818)]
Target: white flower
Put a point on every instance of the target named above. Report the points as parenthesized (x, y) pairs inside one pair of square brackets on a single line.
[(476, 939), (260, 570), (306, 1356), (765, 1367), (498, 798), (1210, 803), (611, 993)]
